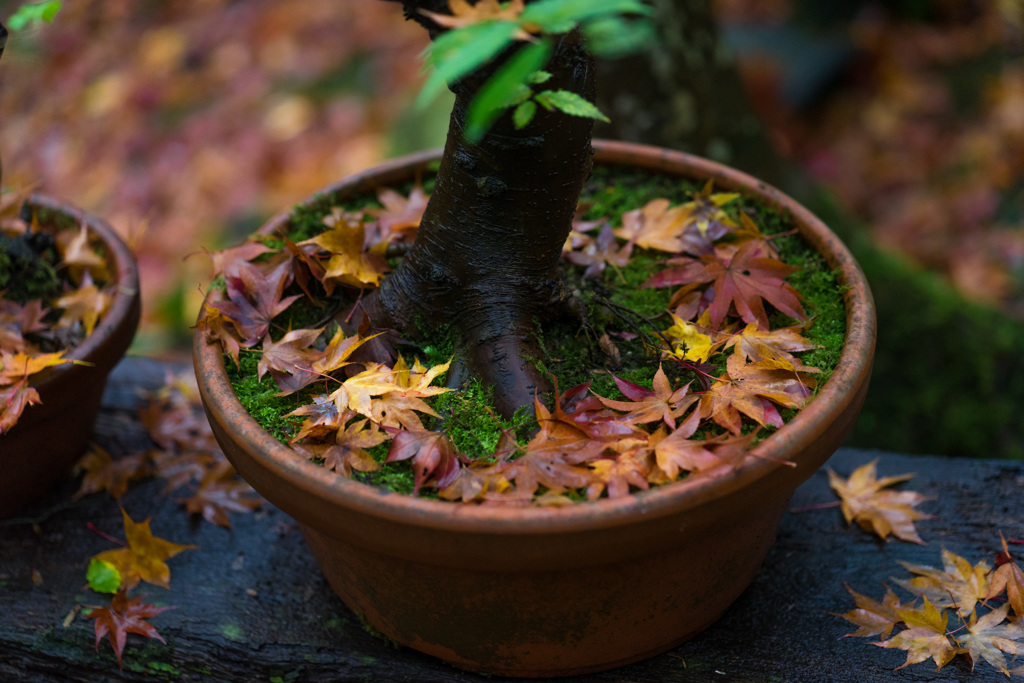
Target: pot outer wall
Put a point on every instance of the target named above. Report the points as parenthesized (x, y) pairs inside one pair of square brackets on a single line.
[(50, 437), (549, 592)]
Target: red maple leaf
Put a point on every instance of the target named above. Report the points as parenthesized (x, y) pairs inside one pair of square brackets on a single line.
[(745, 281), (432, 454), (125, 615)]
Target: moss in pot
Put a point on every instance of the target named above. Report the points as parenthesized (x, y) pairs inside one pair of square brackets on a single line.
[(519, 589)]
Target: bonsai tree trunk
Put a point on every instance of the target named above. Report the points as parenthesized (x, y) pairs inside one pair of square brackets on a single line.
[(486, 254)]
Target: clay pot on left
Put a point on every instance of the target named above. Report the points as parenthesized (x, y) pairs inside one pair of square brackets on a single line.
[(50, 437)]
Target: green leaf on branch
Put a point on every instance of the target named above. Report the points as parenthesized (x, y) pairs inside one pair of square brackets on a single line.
[(34, 13), (460, 52), (569, 103), (523, 114), (506, 88), (539, 76)]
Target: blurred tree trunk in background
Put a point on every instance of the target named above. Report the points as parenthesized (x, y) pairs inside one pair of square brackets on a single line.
[(685, 93)]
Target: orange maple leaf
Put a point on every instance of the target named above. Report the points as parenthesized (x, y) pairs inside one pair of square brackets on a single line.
[(884, 512), (143, 558), (657, 225), (102, 473), (219, 492), (662, 402), (465, 14), (751, 389), (401, 216)]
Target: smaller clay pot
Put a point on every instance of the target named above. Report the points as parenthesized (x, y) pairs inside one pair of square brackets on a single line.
[(51, 436)]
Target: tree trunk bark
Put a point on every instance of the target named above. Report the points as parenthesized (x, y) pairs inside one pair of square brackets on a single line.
[(486, 255)]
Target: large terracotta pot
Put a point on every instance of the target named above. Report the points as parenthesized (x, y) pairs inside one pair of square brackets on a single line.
[(544, 592), (51, 436)]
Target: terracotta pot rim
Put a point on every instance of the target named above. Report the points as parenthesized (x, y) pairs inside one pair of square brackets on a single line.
[(123, 308), (851, 375)]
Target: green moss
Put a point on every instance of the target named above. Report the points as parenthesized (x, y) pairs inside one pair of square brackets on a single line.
[(233, 632), (260, 397)]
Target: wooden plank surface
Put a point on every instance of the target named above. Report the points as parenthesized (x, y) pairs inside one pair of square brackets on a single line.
[(251, 605)]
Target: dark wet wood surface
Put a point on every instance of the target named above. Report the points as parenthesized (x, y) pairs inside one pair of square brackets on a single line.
[(251, 605)]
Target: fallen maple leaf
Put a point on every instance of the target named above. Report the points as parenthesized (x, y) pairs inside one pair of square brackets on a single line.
[(86, 304), (254, 299), (872, 617), (432, 454), (103, 473), (143, 558), (926, 637), (401, 215), (348, 452), (745, 281), (651, 405), (959, 584), (658, 225), (751, 389), (348, 263), (988, 638), (884, 512), (597, 253), (13, 401), (1008, 577), (78, 254), (219, 492), (124, 615)]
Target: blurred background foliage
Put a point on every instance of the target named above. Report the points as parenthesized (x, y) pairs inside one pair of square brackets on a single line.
[(187, 123)]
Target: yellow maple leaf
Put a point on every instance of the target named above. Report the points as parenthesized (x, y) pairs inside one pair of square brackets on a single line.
[(143, 558), (86, 304), (14, 366), (884, 512), (925, 638), (958, 584), (688, 342), (348, 264), (79, 256)]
